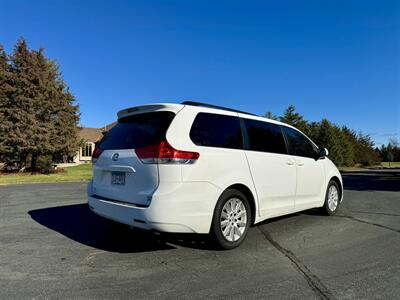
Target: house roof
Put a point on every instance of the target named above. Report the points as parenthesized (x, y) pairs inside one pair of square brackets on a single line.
[(90, 134), (94, 134), (109, 126)]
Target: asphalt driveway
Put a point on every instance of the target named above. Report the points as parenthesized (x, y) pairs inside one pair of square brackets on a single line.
[(52, 246)]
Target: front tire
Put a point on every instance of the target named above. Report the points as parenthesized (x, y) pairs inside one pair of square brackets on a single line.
[(231, 220), (332, 199)]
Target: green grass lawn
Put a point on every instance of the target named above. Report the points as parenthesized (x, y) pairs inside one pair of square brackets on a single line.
[(75, 173), (395, 164), (384, 164), (350, 169)]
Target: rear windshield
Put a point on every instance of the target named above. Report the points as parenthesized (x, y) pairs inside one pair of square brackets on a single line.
[(137, 131)]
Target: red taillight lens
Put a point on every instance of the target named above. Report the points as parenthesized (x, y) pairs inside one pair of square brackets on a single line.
[(96, 154), (164, 153)]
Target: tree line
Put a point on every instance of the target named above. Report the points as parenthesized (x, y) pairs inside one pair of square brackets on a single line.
[(390, 152), (38, 114), (346, 146)]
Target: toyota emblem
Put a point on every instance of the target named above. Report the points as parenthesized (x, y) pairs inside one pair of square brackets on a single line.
[(115, 157)]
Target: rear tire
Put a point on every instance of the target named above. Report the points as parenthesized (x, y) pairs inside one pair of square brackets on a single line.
[(231, 220), (332, 199)]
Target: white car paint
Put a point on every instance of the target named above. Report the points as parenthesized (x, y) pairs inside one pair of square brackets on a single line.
[(182, 197)]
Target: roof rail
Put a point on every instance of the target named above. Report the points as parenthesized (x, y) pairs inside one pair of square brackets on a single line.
[(193, 103)]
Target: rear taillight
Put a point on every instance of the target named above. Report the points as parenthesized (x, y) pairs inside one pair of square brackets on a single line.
[(96, 154), (164, 153)]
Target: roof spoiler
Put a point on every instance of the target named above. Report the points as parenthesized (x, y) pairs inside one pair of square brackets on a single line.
[(149, 108)]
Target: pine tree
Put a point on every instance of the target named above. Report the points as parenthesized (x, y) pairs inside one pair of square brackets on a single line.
[(57, 115), (347, 150), (6, 90), (313, 132), (327, 138), (65, 113), (366, 154), (271, 116), (351, 138), (330, 136), (40, 116), (293, 118), (19, 114)]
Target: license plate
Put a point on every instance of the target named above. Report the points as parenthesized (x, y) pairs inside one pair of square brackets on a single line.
[(118, 178)]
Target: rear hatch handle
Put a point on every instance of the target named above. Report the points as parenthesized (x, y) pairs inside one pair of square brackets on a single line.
[(117, 168)]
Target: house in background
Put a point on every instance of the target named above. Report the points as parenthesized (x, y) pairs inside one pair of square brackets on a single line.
[(90, 136)]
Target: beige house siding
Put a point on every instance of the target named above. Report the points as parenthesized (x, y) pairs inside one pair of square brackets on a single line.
[(84, 154), (90, 136)]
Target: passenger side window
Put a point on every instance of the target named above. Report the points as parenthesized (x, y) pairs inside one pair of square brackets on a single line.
[(214, 130), (265, 137), (299, 144)]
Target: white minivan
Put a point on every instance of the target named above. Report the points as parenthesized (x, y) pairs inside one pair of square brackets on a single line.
[(200, 168)]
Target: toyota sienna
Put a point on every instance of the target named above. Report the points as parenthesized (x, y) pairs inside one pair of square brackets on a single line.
[(200, 168)]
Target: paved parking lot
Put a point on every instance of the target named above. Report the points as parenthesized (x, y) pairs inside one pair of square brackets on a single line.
[(52, 246)]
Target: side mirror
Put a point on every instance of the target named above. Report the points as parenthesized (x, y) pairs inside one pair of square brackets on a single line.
[(323, 152)]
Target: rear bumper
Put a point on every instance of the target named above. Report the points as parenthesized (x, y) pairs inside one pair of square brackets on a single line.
[(175, 207)]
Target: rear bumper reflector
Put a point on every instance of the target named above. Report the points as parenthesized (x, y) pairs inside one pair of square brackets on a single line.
[(118, 201)]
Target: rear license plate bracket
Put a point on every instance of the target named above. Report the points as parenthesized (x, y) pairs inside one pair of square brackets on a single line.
[(118, 178)]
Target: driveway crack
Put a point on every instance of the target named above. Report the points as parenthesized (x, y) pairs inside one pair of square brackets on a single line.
[(368, 222), (313, 281), (375, 213)]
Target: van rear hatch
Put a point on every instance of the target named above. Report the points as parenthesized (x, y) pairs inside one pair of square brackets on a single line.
[(118, 173)]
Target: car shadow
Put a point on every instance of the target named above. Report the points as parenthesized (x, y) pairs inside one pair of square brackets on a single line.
[(372, 181), (80, 224)]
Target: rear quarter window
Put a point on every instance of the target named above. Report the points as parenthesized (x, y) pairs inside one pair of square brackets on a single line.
[(137, 131), (215, 130)]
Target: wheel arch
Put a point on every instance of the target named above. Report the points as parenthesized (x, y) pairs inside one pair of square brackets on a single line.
[(339, 183), (249, 195)]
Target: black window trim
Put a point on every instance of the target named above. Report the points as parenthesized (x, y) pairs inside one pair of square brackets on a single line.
[(286, 140), (245, 135)]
